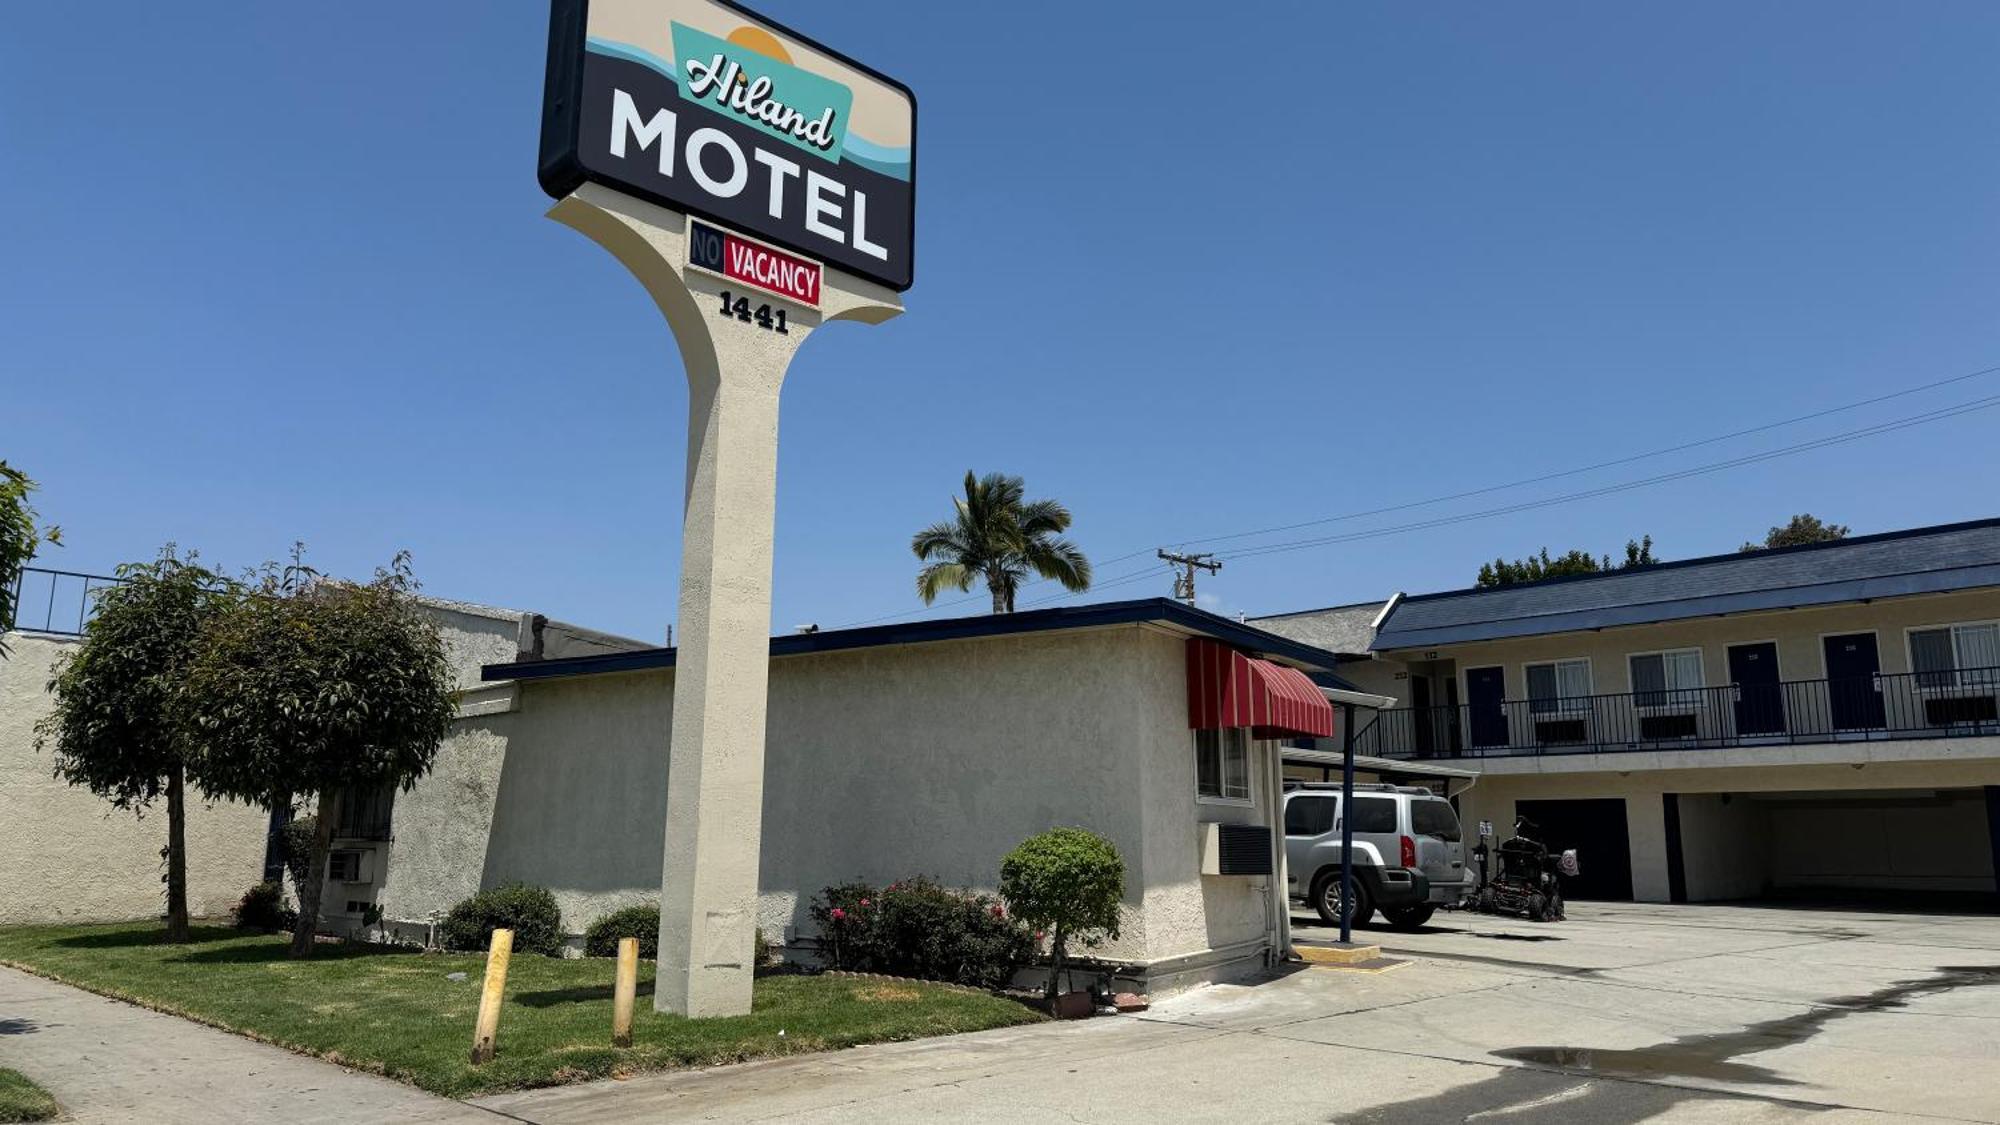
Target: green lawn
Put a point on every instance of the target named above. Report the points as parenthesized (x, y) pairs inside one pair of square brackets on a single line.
[(396, 1013), (22, 1100)]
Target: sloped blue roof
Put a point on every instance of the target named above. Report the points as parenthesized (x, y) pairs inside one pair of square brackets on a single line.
[(1921, 560)]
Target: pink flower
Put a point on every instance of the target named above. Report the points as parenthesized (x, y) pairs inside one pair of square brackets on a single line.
[(1038, 935), (999, 911), (864, 902), (839, 915)]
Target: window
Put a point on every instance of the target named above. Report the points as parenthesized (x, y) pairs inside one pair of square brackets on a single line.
[(344, 867), (1434, 818), (1561, 685), (364, 812), (1310, 816), (1222, 764), (1956, 655), (1375, 814), (1664, 679)]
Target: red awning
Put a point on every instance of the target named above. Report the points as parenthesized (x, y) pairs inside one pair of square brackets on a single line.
[(1228, 689)]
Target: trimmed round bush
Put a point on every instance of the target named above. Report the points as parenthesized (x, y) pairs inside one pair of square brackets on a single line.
[(642, 922), (1066, 882), (263, 908), (528, 910)]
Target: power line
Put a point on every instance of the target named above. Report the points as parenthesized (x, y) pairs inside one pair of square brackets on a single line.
[(1277, 548), (1546, 477), (1627, 486)]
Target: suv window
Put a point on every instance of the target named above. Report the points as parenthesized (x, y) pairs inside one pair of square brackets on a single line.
[(1434, 818), (1309, 816), (1374, 814)]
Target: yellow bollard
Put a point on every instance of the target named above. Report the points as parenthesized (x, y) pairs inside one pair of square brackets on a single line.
[(621, 995), (489, 996)]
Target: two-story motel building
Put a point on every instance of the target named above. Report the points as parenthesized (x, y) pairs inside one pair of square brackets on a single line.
[(1818, 720)]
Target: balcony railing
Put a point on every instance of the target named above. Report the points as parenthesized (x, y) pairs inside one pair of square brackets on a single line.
[(1958, 703), (54, 601)]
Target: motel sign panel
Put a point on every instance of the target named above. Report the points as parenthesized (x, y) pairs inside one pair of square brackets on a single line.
[(703, 107)]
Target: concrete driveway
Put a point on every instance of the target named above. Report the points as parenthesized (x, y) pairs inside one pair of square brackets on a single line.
[(1624, 1013)]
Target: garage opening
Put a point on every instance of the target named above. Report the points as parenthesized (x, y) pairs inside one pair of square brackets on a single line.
[(1918, 847), (1596, 828)]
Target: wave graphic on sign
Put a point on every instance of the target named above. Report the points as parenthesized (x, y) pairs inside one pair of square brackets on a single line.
[(889, 160)]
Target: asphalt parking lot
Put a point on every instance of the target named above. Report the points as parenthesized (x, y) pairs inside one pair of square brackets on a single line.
[(1624, 1013)]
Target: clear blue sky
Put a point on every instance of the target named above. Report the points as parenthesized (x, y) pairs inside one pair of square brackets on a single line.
[(277, 272)]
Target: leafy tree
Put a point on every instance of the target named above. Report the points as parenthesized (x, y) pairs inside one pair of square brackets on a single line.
[(1066, 882), (113, 728), (315, 686), (998, 536), (1803, 528), (1534, 568), (20, 535)]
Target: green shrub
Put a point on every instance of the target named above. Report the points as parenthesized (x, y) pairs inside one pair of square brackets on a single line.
[(642, 922), (917, 928), (529, 911), (761, 950), (1067, 882), (263, 908)]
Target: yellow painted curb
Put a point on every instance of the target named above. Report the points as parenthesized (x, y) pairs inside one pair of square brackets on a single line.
[(1379, 965), (1337, 955)]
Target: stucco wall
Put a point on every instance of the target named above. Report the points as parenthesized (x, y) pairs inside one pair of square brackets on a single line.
[(66, 856), (881, 763), (1725, 846)]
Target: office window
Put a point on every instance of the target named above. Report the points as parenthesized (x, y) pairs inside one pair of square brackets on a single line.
[(1222, 764), (1662, 679), (1558, 686), (1956, 655)]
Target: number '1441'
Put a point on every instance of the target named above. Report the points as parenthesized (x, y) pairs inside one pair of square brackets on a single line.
[(763, 315)]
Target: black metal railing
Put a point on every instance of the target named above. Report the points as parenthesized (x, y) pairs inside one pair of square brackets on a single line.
[(1886, 705), (55, 601)]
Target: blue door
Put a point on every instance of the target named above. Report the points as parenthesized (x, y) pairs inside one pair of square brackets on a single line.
[(1853, 695), (1486, 695), (1760, 702)]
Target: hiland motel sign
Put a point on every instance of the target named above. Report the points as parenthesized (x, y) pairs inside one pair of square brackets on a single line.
[(758, 185)]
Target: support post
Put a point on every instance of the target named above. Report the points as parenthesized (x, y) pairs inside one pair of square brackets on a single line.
[(487, 1031), (715, 768), (626, 984), (1347, 823)]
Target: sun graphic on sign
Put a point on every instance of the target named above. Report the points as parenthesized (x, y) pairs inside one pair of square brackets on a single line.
[(758, 41)]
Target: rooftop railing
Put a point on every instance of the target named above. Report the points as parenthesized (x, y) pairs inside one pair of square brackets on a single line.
[(55, 601), (1939, 704)]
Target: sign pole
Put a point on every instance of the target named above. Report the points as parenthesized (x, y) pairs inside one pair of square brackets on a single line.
[(735, 370)]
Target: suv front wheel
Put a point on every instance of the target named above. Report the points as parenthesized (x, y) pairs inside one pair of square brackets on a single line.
[(1409, 917), (1326, 899)]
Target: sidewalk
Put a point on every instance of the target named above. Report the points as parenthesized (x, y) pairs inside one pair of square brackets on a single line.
[(112, 1062)]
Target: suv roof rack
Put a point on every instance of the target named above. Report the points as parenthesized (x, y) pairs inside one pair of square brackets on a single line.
[(1360, 787)]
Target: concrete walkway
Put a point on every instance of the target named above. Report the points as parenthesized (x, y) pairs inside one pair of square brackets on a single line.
[(112, 1062)]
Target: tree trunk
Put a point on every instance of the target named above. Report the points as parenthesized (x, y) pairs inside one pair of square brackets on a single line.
[(177, 885), (1057, 954), (315, 882), (999, 597)]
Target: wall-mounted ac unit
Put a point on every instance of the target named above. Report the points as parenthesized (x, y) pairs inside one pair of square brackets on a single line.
[(1235, 849)]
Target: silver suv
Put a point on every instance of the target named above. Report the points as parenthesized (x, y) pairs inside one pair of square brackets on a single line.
[(1408, 857)]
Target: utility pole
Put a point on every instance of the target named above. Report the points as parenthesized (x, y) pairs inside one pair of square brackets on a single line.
[(1184, 581)]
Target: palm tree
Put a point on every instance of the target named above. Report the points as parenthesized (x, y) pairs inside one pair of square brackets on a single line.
[(1001, 537)]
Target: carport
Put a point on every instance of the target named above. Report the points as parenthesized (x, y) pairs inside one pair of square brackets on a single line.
[(1906, 844)]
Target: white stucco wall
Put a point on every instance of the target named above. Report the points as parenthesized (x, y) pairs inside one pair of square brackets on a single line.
[(930, 759), (66, 856)]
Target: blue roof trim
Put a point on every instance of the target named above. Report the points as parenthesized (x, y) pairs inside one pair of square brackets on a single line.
[(1163, 611), (1894, 564)]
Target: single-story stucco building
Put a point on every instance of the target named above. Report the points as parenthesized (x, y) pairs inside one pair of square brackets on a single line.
[(920, 749)]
